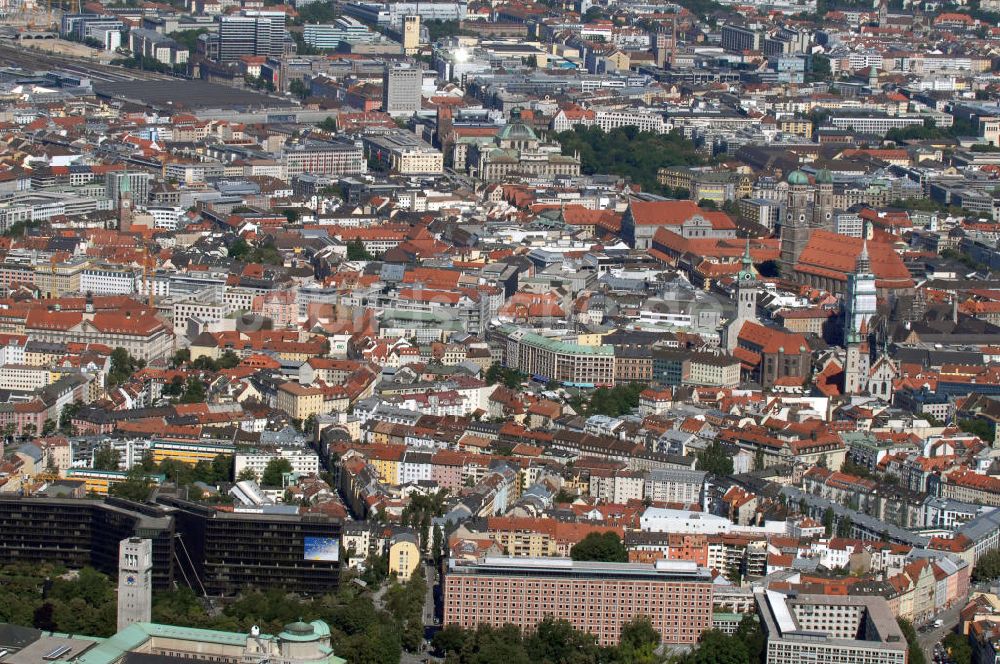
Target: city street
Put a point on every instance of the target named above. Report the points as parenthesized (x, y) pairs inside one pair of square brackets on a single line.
[(931, 636)]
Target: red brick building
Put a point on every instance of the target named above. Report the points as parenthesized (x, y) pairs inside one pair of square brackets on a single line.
[(594, 597)]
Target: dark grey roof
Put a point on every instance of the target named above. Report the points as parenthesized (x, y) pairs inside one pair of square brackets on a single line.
[(15, 637)]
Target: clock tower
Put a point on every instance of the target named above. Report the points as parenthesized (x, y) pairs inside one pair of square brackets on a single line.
[(135, 582)]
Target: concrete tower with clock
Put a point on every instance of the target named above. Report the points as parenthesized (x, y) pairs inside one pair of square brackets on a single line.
[(135, 581)]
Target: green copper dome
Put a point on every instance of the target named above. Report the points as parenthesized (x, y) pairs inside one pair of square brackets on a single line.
[(824, 177), (798, 177)]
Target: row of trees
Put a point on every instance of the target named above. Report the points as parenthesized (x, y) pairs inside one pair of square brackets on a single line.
[(915, 654), (553, 642), (137, 486)]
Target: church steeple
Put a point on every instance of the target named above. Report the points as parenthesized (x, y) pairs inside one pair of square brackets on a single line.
[(864, 263), (124, 203), (747, 271), (747, 288)]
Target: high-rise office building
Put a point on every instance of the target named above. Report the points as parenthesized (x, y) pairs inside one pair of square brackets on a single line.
[(225, 552), (84, 533), (594, 597), (250, 35), (343, 29), (401, 89)]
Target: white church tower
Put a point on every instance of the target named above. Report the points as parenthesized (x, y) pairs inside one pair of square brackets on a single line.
[(747, 289), (135, 581)]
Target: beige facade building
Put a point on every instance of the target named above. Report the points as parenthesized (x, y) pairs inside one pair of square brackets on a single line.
[(403, 153), (404, 556), (518, 151), (298, 401)]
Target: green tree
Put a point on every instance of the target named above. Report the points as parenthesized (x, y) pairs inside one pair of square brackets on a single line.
[(194, 391), (977, 427), (136, 486), (557, 641), (496, 373), (49, 427), (628, 152), (828, 518), (987, 567), (820, 68), (229, 360), (247, 474), (604, 547), (181, 357), (714, 647), (715, 460), (174, 388), (639, 641), (915, 652), (449, 639), (329, 124), (298, 88), (845, 527), (958, 647), (222, 468), (123, 366), (273, 472), (66, 416), (205, 363), (356, 251), (613, 401), (188, 38), (239, 250), (106, 458)]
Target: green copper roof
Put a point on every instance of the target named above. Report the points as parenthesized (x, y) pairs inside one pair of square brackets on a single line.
[(798, 177), (134, 636), (517, 131), (303, 631), (746, 273), (824, 177)]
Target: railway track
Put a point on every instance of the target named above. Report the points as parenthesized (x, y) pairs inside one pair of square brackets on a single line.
[(33, 61)]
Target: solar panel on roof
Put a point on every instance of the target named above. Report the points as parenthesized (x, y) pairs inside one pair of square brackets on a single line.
[(56, 653)]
